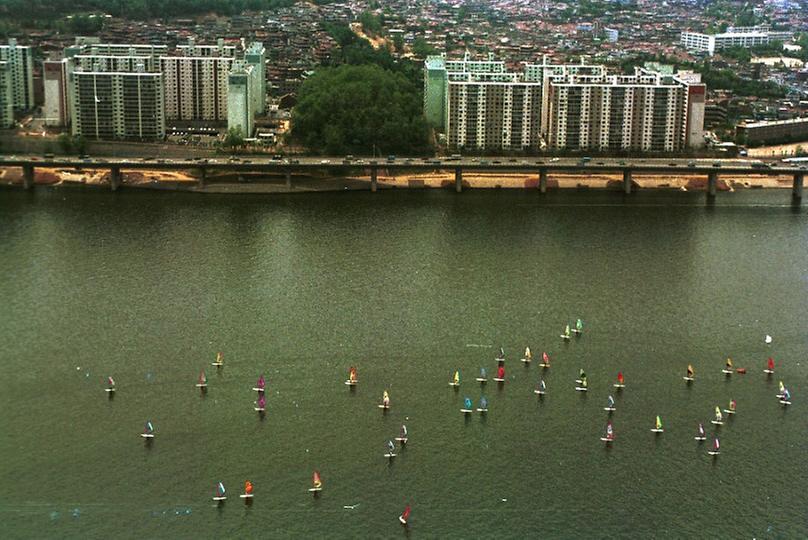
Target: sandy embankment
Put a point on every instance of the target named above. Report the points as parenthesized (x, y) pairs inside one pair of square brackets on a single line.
[(437, 179)]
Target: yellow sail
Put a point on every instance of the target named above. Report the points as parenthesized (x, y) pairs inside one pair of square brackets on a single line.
[(658, 423)]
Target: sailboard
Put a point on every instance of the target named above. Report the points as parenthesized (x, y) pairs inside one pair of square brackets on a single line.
[(566, 335), (260, 386), (110, 385), (528, 356), (316, 483), (701, 435), (219, 360), (545, 360), (220, 493), (621, 381), (658, 428), (203, 380), (248, 490), (769, 367)]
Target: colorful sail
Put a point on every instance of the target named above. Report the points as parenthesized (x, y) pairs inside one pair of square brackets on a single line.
[(457, 377), (611, 402), (583, 382), (405, 515), (261, 384), (690, 371), (391, 446), (483, 374), (467, 404), (729, 363), (203, 378), (149, 427), (718, 415), (701, 430), (620, 377), (528, 354), (782, 388), (315, 480), (248, 487), (716, 444), (385, 399), (542, 385), (786, 395), (501, 372), (545, 358), (110, 382), (220, 490), (567, 331), (609, 431), (732, 404), (658, 422), (262, 402), (403, 432), (219, 358), (483, 403), (771, 363)]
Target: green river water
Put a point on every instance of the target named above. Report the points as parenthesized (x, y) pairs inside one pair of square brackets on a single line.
[(407, 286)]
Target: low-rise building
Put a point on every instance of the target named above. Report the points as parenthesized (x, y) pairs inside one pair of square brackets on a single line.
[(746, 37), (773, 132)]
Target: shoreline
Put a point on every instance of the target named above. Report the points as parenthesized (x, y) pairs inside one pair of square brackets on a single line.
[(262, 183)]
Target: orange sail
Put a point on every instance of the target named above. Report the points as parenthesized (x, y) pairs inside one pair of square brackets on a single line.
[(248, 487), (315, 480)]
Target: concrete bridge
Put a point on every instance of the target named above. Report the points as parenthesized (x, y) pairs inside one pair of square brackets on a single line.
[(542, 167)]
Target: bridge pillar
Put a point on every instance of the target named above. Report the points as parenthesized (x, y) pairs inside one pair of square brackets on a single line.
[(712, 181), (374, 176), (458, 180), (799, 180), (543, 180), (288, 179), (627, 181), (115, 178), (203, 176), (28, 176)]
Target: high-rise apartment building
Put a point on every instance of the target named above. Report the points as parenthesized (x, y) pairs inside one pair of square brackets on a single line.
[(646, 111), (21, 70), (573, 106), (55, 76), (117, 105), (6, 96), (196, 87), (240, 98), (255, 55)]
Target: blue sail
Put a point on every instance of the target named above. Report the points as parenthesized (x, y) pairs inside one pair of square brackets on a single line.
[(468, 404), (483, 403)]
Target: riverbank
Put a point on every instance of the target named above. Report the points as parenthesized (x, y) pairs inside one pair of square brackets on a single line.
[(263, 183)]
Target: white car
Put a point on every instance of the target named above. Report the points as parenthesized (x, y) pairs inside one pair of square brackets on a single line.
[(325, 161)]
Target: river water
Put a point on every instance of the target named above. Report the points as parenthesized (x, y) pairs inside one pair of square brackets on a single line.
[(408, 287)]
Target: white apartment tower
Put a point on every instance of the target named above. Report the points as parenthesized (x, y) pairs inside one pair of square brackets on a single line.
[(55, 77), (117, 105), (21, 70), (6, 97), (240, 98)]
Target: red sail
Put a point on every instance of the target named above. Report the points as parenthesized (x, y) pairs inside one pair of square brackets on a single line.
[(771, 363), (315, 479), (620, 377), (406, 514)]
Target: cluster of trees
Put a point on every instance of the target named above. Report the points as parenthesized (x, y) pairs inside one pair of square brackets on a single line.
[(71, 145), (39, 10), (360, 109), (742, 54), (371, 24)]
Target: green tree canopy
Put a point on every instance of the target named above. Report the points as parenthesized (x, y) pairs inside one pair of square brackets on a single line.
[(354, 108)]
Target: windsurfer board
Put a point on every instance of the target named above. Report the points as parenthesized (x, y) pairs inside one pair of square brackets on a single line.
[(688, 379), (606, 439), (579, 381), (784, 402), (259, 409), (217, 364), (147, 435), (618, 385), (728, 411), (498, 379), (717, 422), (384, 406), (202, 385), (219, 499), (655, 430), (455, 384), (562, 336), (610, 409), (768, 371), (544, 365), (727, 371), (482, 410), (402, 440), (700, 438), (315, 489), (466, 411), (246, 495), (262, 389), (390, 455), (481, 380), (539, 392), (581, 389), (713, 453), (109, 389)]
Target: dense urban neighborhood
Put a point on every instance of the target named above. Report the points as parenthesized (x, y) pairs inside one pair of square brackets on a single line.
[(418, 77)]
